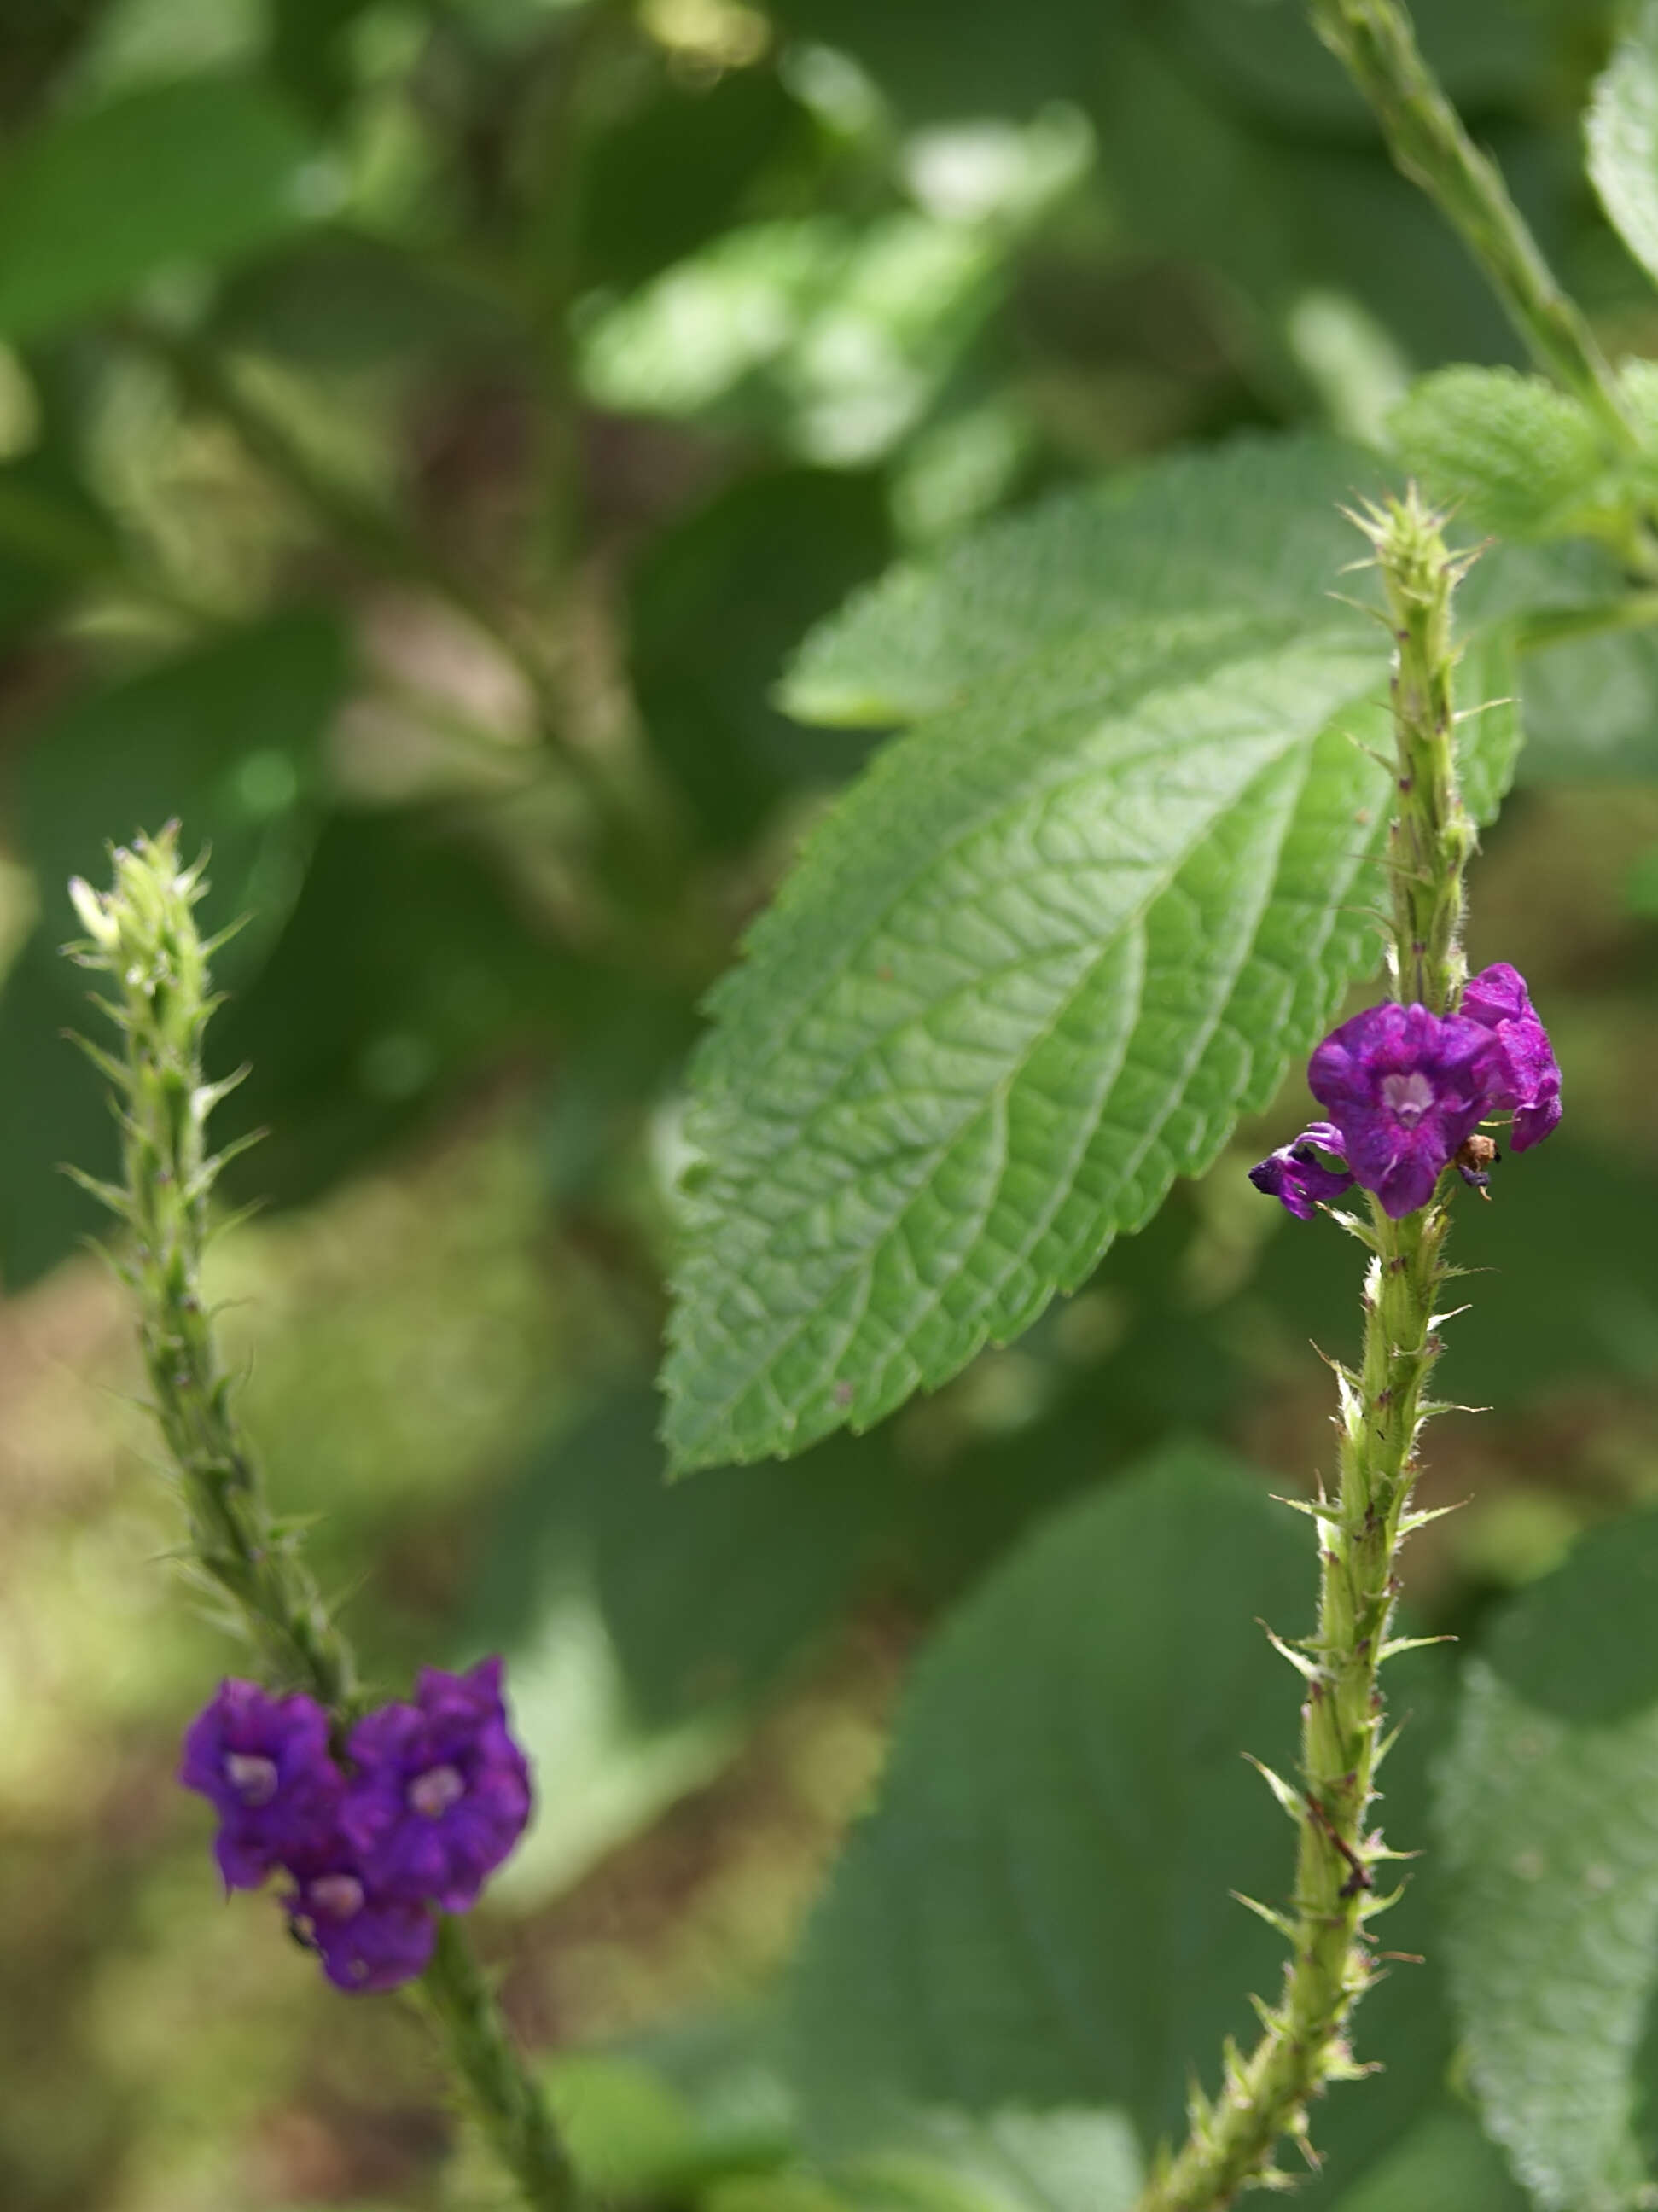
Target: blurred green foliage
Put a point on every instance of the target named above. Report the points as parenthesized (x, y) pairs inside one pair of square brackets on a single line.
[(426, 430)]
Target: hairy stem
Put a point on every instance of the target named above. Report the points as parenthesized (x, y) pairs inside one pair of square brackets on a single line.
[(142, 936), (1266, 2095), (1376, 41)]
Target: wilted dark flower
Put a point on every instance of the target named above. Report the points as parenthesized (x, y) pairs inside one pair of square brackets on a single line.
[(264, 1764), (1405, 1087), (1521, 1074), (1296, 1176), (441, 1792)]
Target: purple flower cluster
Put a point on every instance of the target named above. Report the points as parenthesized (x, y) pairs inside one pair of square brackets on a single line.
[(1405, 1091), (431, 1798)]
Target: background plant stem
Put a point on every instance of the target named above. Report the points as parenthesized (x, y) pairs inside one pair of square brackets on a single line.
[(1376, 41), (143, 936), (1266, 2095)]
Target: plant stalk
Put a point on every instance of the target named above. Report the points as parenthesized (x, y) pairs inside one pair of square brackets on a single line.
[(142, 936), (1266, 2095), (1375, 42)]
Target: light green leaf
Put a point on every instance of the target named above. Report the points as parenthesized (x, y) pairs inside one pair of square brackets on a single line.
[(1031, 971), (1488, 688), (1037, 1912), (1048, 949), (1548, 1815), (1253, 526), (1513, 454), (207, 169), (1622, 128)]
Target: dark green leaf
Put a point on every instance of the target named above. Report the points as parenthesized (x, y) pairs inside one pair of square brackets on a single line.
[(1269, 55), (1561, 1218), (1012, 2161), (1573, 1644), (1548, 1817), (340, 301), (207, 169), (1445, 2164), (661, 181), (309, 55), (710, 1590), (224, 739), (404, 964), (938, 59), (1037, 1912), (783, 550), (52, 1109)]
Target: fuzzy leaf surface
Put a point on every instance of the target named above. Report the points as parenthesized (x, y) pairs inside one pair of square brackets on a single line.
[(1515, 455), (1622, 129), (1254, 524), (1048, 949), (1548, 1815)]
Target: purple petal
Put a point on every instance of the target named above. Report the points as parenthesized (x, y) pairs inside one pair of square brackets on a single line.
[(263, 1763), (367, 1941), (1496, 994), (1537, 1120), (1405, 1087), (441, 1793)]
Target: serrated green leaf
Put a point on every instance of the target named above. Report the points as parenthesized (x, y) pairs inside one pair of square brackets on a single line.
[(1548, 1816), (206, 169), (1512, 453), (1031, 969), (1622, 129), (1253, 526), (1036, 1913), (1045, 951)]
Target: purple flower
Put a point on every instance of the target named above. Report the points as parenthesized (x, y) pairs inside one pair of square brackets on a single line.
[(441, 1792), (366, 1939), (1520, 1071), (1295, 1175), (1405, 1087), (264, 1764)]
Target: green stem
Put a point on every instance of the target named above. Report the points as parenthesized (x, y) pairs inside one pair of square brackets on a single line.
[(1376, 41), (510, 2109), (1266, 2095), (142, 936)]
